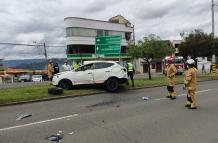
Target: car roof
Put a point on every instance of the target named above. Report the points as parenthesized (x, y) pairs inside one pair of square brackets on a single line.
[(91, 62)]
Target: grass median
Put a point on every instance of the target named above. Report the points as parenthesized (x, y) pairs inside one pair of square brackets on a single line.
[(11, 95)]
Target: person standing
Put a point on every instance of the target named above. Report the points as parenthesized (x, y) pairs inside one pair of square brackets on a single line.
[(50, 70), (66, 66), (190, 84), (130, 72), (76, 65), (171, 74)]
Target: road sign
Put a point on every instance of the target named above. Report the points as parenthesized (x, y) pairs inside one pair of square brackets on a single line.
[(106, 45)]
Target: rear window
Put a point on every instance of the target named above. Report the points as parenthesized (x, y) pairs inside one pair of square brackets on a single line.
[(178, 61), (103, 65)]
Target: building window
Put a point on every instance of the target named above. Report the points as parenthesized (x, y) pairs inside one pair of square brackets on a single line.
[(128, 36), (106, 32), (83, 32), (80, 49), (118, 33), (100, 32)]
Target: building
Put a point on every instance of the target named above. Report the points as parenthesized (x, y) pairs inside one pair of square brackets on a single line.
[(156, 64), (81, 34)]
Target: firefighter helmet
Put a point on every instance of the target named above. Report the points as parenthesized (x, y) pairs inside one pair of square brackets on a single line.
[(190, 62)]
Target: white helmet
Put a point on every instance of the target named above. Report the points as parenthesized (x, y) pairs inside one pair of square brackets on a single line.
[(191, 62)]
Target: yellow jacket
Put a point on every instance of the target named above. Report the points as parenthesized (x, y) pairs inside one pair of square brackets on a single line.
[(50, 70), (171, 72), (190, 79)]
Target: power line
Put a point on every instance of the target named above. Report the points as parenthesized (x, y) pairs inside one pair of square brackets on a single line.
[(21, 44)]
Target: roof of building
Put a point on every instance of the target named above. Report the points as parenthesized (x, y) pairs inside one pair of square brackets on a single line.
[(92, 20)]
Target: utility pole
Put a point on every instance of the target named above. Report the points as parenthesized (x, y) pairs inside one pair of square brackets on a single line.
[(213, 66), (45, 54), (213, 31)]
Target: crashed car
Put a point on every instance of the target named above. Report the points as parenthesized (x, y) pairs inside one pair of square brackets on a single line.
[(108, 73)]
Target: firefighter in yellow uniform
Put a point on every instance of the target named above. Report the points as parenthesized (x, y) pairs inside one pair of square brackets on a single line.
[(190, 84), (171, 74), (50, 70)]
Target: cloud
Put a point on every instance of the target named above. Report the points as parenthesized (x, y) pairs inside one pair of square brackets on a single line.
[(25, 21)]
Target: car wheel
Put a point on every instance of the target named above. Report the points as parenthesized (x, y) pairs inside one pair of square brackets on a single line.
[(112, 84), (65, 84)]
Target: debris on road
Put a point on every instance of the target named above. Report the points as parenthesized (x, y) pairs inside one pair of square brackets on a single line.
[(22, 116), (103, 121), (56, 138), (118, 106), (71, 133), (145, 98)]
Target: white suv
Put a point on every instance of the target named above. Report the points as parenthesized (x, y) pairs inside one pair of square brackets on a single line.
[(109, 73)]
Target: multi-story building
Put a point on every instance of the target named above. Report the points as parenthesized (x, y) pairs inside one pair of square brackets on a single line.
[(81, 34)]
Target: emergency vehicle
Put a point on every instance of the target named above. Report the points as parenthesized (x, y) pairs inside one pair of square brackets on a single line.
[(178, 61)]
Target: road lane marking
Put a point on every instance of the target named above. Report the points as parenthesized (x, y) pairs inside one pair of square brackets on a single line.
[(36, 123), (160, 99), (201, 91), (184, 94)]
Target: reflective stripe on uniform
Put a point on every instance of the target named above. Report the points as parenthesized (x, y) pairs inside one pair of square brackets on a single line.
[(130, 67)]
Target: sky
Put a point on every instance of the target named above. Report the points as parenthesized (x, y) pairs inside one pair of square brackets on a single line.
[(39, 21)]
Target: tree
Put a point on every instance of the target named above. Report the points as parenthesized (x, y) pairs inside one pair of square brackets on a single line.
[(198, 44), (149, 48)]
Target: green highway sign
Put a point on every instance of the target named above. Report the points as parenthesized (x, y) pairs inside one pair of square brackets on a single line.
[(108, 45)]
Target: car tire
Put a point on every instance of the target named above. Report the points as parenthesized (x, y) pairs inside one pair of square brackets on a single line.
[(55, 91), (65, 84), (112, 85)]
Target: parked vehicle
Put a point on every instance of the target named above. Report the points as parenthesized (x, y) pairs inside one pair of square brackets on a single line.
[(108, 73), (37, 78), (24, 78), (179, 62)]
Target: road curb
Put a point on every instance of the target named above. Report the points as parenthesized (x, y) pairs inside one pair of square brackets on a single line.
[(83, 95)]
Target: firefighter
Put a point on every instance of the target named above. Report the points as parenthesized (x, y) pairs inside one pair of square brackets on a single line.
[(190, 84), (50, 70), (130, 72), (171, 73)]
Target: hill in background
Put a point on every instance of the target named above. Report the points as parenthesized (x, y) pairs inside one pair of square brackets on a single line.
[(33, 64)]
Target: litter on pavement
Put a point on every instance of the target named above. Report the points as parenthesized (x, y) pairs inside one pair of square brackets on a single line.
[(71, 133), (145, 98), (22, 116), (55, 138)]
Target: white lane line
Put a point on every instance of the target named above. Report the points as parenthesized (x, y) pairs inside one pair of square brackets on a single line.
[(159, 99), (184, 94), (201, 91), (36, 123)]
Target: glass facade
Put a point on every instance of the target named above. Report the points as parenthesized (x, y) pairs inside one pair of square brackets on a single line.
[(86, 32), (81, 32)]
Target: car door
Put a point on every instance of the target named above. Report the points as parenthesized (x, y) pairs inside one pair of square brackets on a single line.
[(84, 75), (101, 71)]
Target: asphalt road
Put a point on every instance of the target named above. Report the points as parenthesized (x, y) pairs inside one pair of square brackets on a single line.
[(117, 118)]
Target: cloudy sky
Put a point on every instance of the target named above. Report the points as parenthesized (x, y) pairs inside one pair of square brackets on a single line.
[(28, 21)]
